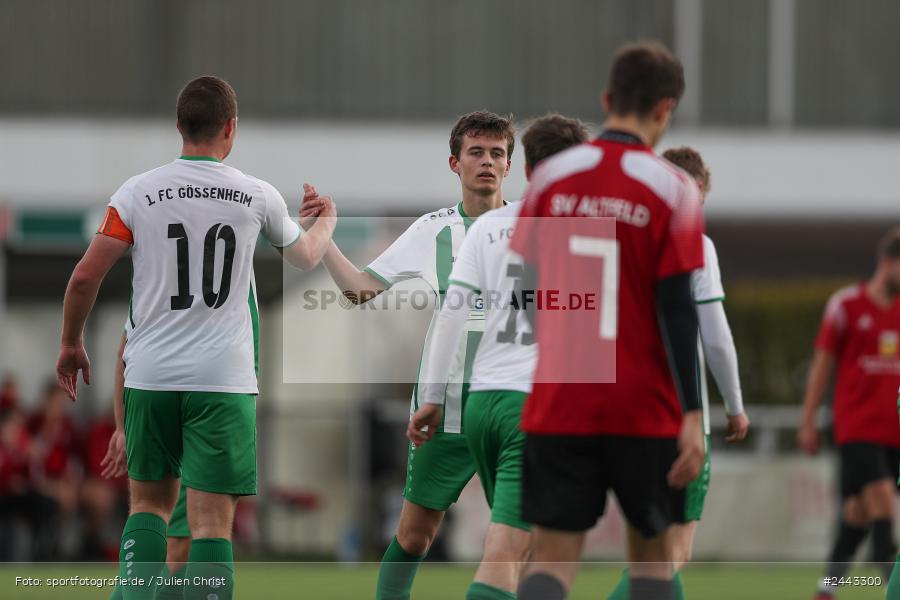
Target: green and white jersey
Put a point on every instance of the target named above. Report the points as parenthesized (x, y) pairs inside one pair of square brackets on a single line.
[(706, 282), (193, 323), (427, 250), (507, 354), (706, 286)]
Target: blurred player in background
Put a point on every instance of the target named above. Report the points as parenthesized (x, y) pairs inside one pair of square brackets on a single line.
[(191, 354), (641, 435), (501, 374), (481, 145), (893, 588), (718, 351), (178, 536), (860, 340)]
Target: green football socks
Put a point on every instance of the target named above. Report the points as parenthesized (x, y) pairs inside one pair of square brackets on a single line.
[(622, 589), (210, 570), (483, 591), (397, 573), (142, 554), (893, 586)]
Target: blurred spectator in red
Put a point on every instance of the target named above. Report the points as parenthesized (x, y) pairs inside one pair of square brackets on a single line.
[(101, 498), (15, 447), (9, 392), (48, 472), (55, 471), (17, 498)]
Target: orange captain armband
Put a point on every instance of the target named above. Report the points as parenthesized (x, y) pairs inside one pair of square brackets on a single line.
[(114, 227)]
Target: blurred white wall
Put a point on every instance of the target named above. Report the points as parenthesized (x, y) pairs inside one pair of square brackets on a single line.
[(373, 169)]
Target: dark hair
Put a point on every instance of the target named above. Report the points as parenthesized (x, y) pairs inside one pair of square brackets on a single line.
[(550, 134), (690, 160), (483, 122), (889, 245), (641, 75), (204, 106)]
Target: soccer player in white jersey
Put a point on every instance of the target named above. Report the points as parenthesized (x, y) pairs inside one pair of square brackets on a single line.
[(502, 371), (191, 354), (717, 348), (481, 144)]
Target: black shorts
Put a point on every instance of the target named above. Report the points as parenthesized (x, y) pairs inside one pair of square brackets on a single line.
[(566, 479), (862, 463)]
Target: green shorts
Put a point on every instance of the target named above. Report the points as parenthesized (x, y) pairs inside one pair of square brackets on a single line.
[(695, 494), (437, 471), (206, 438), (178, 523), (491, 421)]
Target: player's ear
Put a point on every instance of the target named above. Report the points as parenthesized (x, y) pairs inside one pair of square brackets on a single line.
[(663, 110), (454, 164), (604, 100), (527, 172), (508, 165), (230, 126)]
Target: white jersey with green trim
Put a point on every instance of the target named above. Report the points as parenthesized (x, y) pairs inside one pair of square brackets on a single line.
[(507, 355), (427, 251), (706, 282), (706, 286), (193, 323)]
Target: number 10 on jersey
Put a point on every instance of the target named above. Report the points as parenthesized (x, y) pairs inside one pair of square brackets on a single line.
[(213, 299)]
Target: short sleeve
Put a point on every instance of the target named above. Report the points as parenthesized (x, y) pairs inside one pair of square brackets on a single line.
[(278, 226), (404, 259), (525, 234), (467, 266), (682, 247), (706, 282), (834, 324), (114, 227), (122, 202)]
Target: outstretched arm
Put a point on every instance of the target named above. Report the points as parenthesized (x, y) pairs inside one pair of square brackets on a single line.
[(721, 356), (81, 293), (308, 251), (357, 286)]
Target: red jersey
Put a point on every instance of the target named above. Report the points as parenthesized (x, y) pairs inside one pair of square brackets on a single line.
[(15, 449), (55, 445), (629, 218), (865, 341)]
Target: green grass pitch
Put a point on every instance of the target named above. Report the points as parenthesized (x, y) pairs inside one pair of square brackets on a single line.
[(302, 581)]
